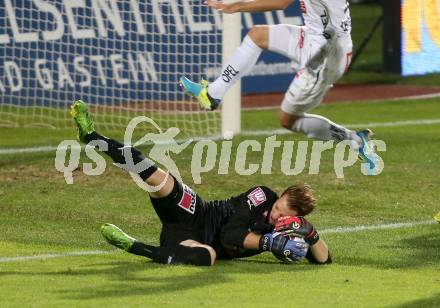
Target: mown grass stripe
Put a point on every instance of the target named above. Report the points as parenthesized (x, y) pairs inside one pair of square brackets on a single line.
[(245, 133), (323, 231)]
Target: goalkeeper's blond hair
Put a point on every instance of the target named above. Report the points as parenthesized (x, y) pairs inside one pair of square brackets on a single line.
[(300, 198)]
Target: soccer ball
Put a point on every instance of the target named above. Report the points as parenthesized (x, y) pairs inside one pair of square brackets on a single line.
[(294, 251)]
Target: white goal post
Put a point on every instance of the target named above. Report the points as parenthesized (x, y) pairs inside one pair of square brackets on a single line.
[(231, 109), (124, 57)]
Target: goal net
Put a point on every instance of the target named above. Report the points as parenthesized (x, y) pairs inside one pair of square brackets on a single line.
[(122, 57)]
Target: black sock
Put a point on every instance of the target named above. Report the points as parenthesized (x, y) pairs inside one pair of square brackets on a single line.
[(116, 151), (141, 249), (156, 253)]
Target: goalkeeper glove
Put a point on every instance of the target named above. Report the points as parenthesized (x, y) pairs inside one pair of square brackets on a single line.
[(283, 247), (298, 226)]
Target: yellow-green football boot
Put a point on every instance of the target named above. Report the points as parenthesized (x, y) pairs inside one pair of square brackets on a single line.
[(83, 119), (437, 217), (200, 92), (117, 237)]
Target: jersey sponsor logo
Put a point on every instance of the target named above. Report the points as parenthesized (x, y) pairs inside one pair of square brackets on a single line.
[(188, 201), (256, 197)]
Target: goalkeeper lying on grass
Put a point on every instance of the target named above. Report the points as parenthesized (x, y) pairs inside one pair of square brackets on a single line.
[(198, 232)]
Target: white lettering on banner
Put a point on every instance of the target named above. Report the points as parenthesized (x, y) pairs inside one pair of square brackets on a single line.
[(117, 68), (158, 15), (193, 25), (18, 36), (76, 32), (43, 74), (59, 73), (269, 18), (52, 9), (63, 74), (147, 66), (137, 17), (133, 69), (247, 17), (13, 74), (4, 39), (98, 60), (217, 19), (106, 13), (112, 14)]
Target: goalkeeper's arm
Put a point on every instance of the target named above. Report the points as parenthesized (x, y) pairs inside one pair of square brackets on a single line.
[(319, 253), (252, 241)]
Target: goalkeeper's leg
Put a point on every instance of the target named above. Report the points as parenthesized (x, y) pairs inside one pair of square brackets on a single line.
[(187, 252), (152, 175)]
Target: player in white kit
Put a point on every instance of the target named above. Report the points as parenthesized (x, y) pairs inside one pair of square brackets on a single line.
[(320, 51)]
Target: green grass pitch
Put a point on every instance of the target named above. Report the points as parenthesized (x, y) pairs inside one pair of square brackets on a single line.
[(41, 214)]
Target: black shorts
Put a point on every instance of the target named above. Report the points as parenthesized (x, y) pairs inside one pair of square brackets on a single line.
[(183, 215)]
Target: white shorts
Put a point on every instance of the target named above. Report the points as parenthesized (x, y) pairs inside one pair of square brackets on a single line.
[(318, 62)]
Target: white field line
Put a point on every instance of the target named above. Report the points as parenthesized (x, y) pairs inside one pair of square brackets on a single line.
[(48, 148), (324, 231), (12, 151), (54, 255), (377, 227)]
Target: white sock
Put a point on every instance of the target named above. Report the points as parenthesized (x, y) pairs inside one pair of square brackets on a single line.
[(318, 127), (241, 62)]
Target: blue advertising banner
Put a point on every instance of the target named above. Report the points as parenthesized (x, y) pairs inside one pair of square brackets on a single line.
[(112, 51)]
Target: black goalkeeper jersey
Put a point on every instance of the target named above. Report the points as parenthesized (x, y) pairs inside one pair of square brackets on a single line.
[(228, 222), (222, 224)]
